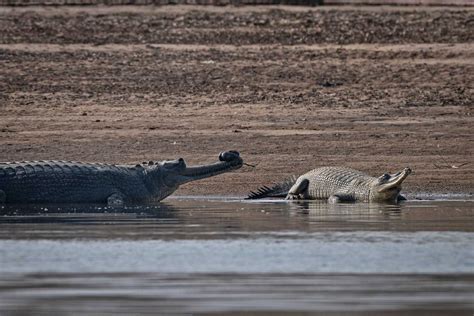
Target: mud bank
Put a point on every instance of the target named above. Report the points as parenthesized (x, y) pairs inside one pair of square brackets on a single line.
[(375, 89)]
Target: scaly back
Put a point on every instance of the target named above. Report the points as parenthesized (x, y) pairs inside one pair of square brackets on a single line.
[(59, 181), (327, 181), (29, 169)]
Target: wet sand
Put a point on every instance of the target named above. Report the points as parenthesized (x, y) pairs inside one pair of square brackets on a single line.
[(373, 88)]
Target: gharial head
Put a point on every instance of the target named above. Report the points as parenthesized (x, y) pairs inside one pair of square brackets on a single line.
[(172, 173), (387, 187)]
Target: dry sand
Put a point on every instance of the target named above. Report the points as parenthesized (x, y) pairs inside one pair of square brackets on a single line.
[(371, 88)]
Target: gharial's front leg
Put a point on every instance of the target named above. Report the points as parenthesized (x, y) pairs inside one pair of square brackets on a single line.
[(3, 196), (341, 198), (299, 191), (116, 199)]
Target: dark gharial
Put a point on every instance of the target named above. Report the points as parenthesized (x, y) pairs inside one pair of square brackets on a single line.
[(76, 182), (337, 184)]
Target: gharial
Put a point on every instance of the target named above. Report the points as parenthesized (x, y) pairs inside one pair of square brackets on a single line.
[(76, 182), (338, 184)]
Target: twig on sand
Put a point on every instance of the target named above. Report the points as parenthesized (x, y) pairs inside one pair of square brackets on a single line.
[(449, 166)]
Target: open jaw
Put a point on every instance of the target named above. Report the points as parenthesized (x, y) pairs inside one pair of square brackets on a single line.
[(231, 161), (395, 181)]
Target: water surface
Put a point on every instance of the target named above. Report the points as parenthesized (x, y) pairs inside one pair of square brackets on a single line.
[(224, 256)]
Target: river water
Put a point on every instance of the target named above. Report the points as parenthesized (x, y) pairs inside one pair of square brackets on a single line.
[(226, 256)]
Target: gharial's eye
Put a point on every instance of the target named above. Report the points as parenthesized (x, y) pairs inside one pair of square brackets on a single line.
[(385, 176), (170, 164)]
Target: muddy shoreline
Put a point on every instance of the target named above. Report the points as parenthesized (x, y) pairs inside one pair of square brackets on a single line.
[(374, 89)]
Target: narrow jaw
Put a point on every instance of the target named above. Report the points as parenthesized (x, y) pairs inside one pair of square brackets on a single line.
[(229, 160), (395, 181)]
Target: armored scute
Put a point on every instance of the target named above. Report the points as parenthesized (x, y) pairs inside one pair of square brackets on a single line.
[(338, 184), (75, 182)]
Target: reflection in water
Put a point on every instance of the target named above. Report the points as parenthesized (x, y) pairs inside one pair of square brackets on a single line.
[(188, 218), (344, 217), (223, 256)]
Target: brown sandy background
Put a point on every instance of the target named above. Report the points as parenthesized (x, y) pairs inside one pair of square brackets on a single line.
[(373, 88)]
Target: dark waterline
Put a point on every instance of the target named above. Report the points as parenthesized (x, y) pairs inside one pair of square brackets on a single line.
[(229, 256)]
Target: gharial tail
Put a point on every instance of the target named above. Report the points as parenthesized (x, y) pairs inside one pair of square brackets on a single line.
[(278, 190)]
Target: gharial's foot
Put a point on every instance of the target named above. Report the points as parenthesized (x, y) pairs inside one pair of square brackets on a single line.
[(341, 198), (293, 197), (3, 196), (115, 200), (333, 199)]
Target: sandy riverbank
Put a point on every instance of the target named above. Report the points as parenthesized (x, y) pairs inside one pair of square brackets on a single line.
[(376, 89)]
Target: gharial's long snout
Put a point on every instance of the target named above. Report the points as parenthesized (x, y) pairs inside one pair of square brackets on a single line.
[(228, 161), (395, 181)]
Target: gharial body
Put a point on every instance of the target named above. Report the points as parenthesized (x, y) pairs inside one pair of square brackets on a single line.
[(338, 184), (75, 182)]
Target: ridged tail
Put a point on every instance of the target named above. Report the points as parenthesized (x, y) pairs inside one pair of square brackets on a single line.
[(278, 190)]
